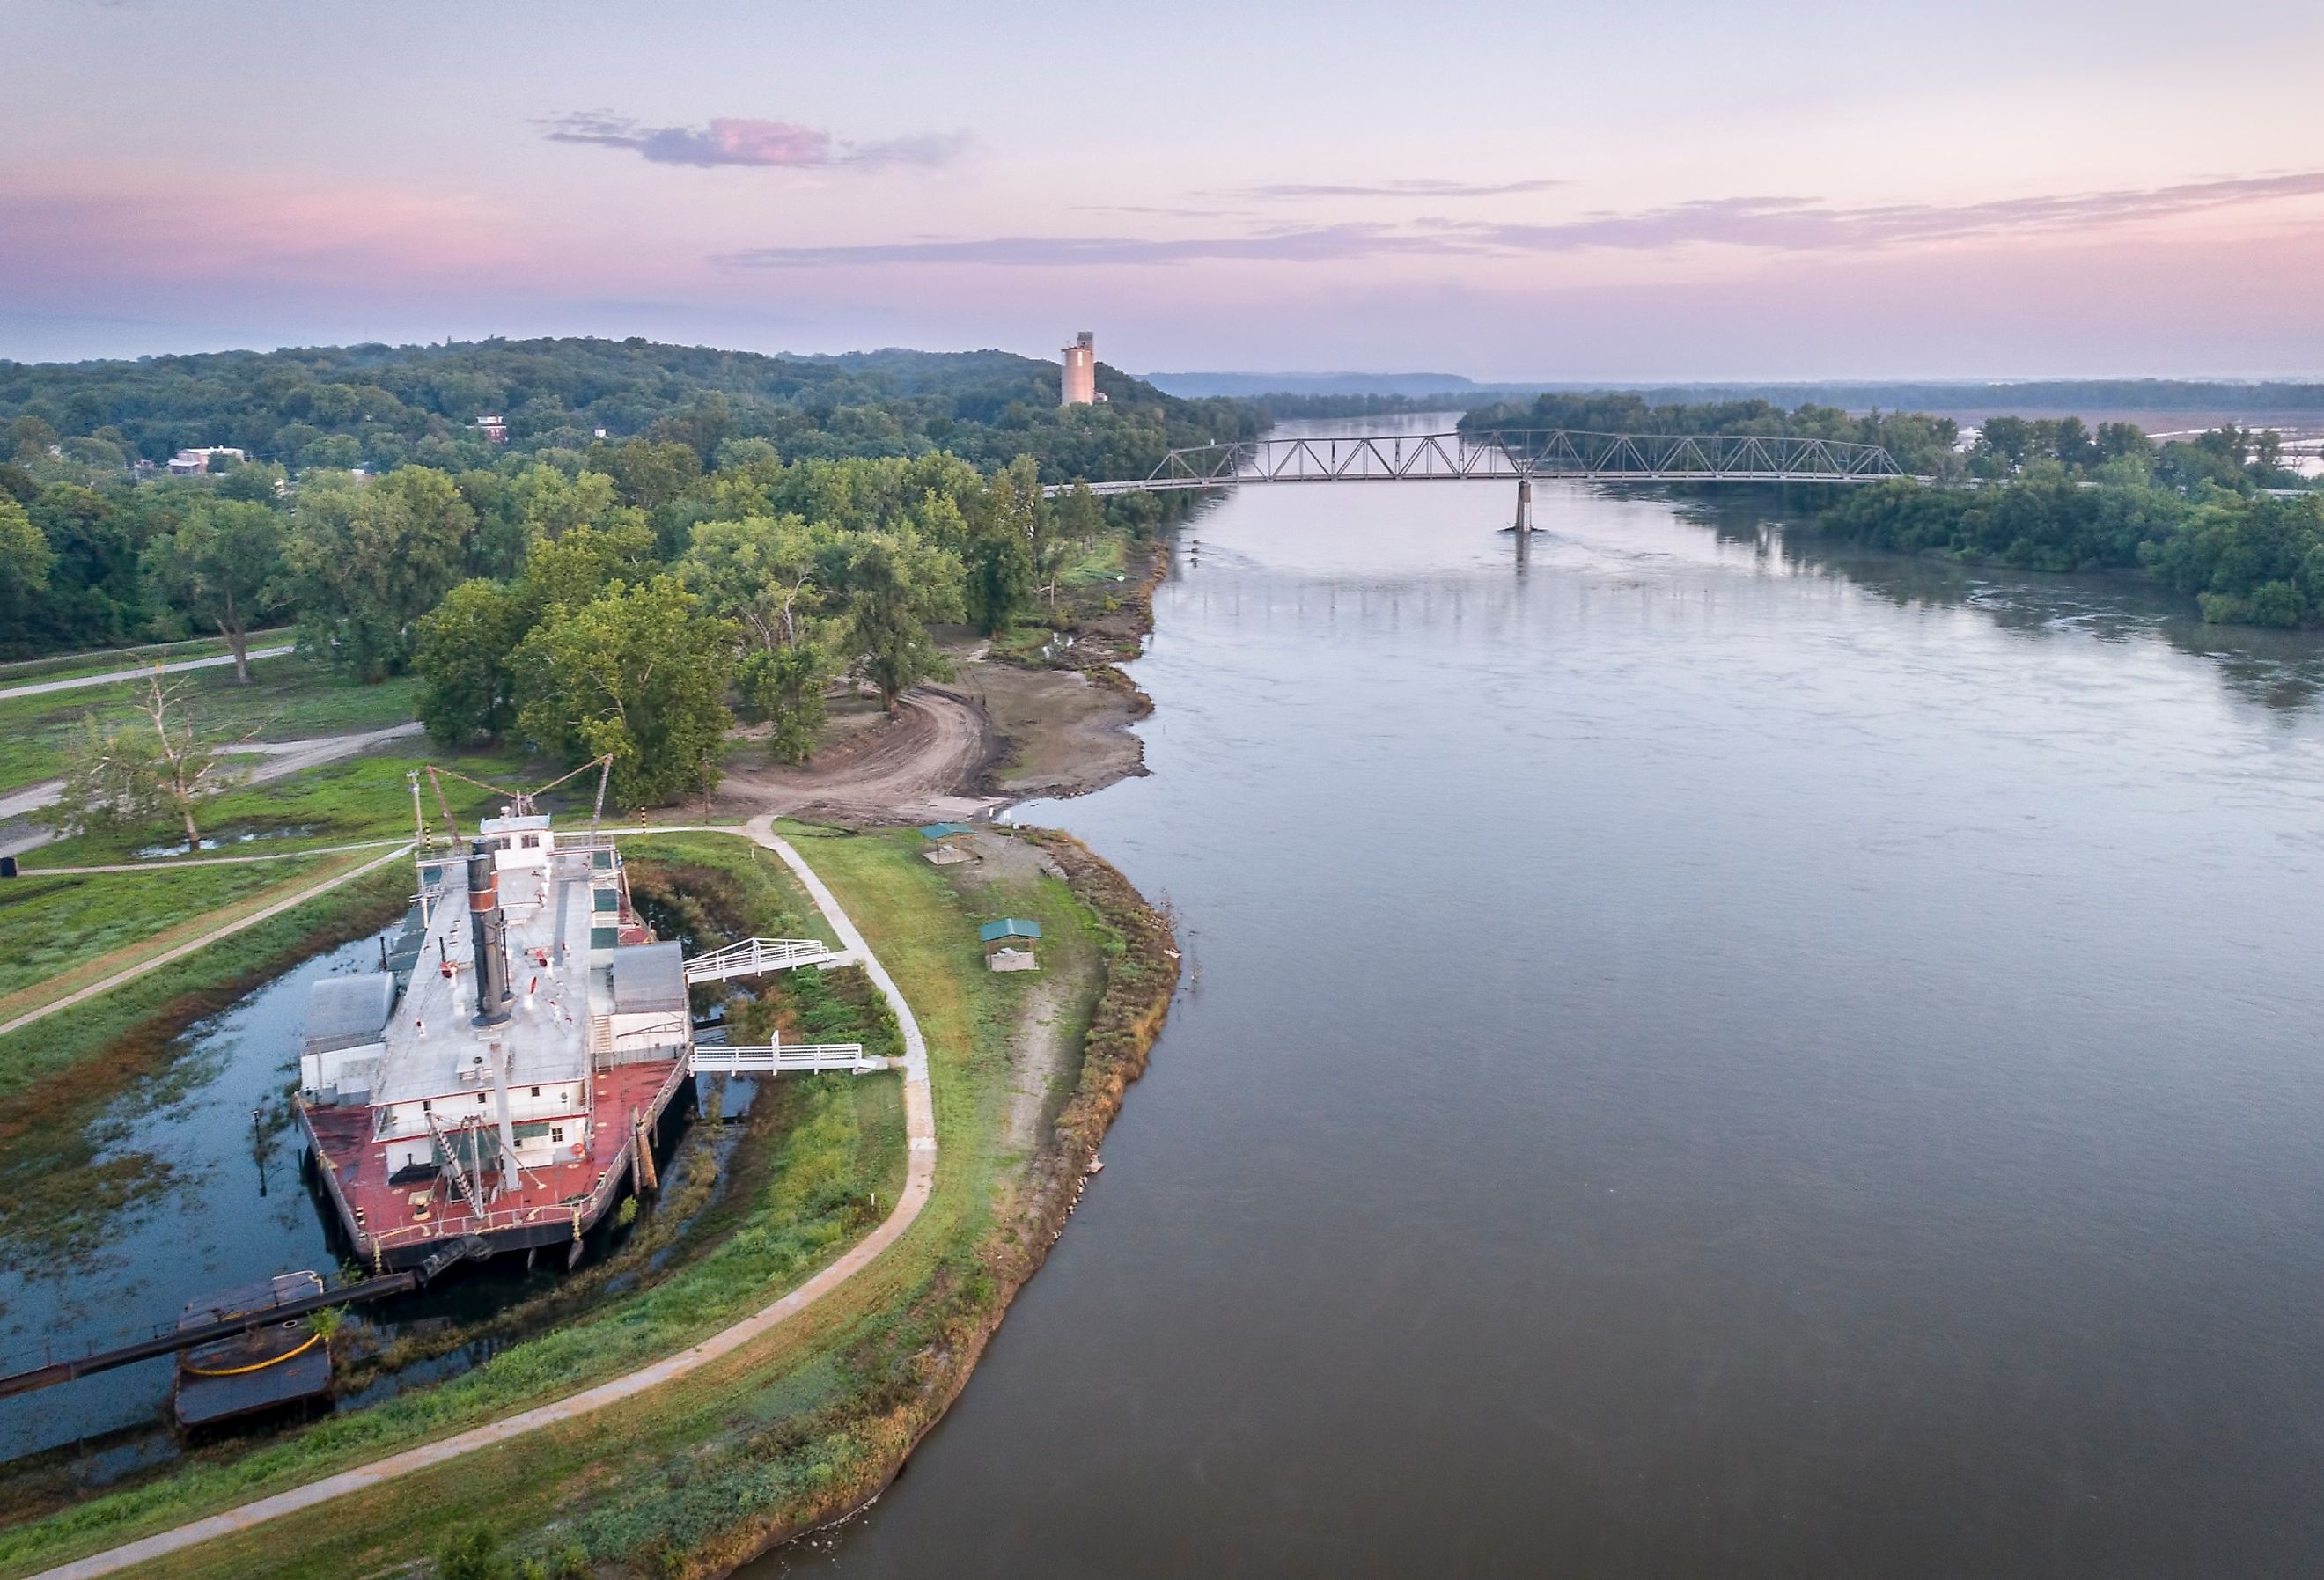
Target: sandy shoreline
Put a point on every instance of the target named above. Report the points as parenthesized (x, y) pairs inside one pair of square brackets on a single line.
[(998, 732)]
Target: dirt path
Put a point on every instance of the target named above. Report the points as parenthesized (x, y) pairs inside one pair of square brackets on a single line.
[(77, 681), (919, 1120), (1040, 1051), (921, 765)]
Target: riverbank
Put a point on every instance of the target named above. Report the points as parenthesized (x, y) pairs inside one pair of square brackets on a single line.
[(1043, 709), (858, 1384)]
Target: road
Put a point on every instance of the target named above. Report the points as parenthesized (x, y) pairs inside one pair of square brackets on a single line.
[(920, 1127), (37, 687)]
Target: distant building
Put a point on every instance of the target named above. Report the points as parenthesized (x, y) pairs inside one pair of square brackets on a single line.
[(1078, 384), (193, 462), (493, 428)]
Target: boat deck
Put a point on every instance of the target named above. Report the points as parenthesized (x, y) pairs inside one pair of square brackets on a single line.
[(553, 1203)]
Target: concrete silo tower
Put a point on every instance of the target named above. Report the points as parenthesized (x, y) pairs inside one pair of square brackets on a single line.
[(1078, 384)]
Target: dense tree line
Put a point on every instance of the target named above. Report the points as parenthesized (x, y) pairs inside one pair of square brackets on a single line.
[(603, 618), (621, 598), (2246, 558), (93, 555), (382, 406), (1923, 445)]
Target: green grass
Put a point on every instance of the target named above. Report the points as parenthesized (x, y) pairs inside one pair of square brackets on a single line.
[(1098, 560), (212, 976), (52, 924), (357, 799), (777, 1424), (286, 700)]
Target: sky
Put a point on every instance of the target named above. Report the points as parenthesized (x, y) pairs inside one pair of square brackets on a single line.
[(1659, 190)]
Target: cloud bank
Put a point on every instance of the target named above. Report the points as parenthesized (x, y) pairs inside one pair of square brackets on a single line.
[(1772, 224), (1419, 187), (730, 140)]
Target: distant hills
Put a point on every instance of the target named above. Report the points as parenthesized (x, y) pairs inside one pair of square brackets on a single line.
[(1968, 396), (1198, 386)]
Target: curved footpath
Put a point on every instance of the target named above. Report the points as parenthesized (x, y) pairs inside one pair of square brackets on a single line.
[(920, 1119)]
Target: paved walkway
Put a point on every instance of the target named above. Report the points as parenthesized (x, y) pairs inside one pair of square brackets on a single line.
[(74, 682), (920, 1115)]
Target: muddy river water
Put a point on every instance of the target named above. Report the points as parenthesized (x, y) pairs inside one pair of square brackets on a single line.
[(1699, 1059)]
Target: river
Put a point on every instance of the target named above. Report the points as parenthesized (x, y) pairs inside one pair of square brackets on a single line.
[(1698, 1058)]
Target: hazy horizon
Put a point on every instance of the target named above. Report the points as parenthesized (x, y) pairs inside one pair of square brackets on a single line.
[(1679, 192)]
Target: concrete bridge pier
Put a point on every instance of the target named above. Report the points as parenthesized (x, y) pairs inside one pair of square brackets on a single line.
[(1525, 520)]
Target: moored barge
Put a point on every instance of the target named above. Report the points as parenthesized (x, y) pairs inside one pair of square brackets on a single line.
[(495, 1088)]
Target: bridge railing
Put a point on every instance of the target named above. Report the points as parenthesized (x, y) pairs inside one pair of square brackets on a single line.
[(752, 957), (1516, 453)]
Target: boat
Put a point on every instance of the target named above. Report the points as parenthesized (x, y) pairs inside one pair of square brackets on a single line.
[(493, 1087), (265, 1367)]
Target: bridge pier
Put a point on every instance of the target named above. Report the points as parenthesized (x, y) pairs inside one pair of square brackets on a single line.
[(1525, 520)]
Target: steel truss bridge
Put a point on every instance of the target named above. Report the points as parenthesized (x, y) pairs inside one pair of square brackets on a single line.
[(1516, 454)]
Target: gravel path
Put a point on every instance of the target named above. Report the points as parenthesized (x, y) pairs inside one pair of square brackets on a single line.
[(283, 758), (37, 687)]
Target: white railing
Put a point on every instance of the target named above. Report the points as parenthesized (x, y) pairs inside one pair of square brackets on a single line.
[(788, 1058), (753, 955)]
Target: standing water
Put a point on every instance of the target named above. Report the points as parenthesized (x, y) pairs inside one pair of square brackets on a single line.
[(1697, 1060), (186, 1183)]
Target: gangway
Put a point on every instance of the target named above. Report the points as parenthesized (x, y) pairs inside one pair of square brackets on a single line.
[(786, 1058), (752, 957)]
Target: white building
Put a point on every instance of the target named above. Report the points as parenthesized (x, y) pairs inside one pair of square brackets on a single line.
[(194, 462)]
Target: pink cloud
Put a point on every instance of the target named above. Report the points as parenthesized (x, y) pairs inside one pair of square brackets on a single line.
[(734, 140)]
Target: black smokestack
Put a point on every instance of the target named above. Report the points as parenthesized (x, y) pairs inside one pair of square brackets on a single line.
[(491, 932)]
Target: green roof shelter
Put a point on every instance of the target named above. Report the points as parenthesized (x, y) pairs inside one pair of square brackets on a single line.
[(1006, 930)]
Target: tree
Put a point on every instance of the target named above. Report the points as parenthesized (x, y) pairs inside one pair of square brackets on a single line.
[(123, 776), (366, 560), (639, 672), (897, 587), (551, 505), (1077, 520), (784, 688), (464, 659), (222, 567), (574, 569), (25, 558), (775, 577)]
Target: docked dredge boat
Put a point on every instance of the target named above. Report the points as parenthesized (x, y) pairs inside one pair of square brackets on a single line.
[(499, 1084)]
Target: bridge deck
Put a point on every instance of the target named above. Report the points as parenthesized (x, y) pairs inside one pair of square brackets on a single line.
[(1512, 455)]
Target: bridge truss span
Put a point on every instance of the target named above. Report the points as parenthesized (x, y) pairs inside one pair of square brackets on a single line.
[(1519, 455)]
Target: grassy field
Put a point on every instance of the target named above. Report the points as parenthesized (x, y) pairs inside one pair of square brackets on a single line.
[(128, 1026), (58, 932), (821, 1407), (286, 700)]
